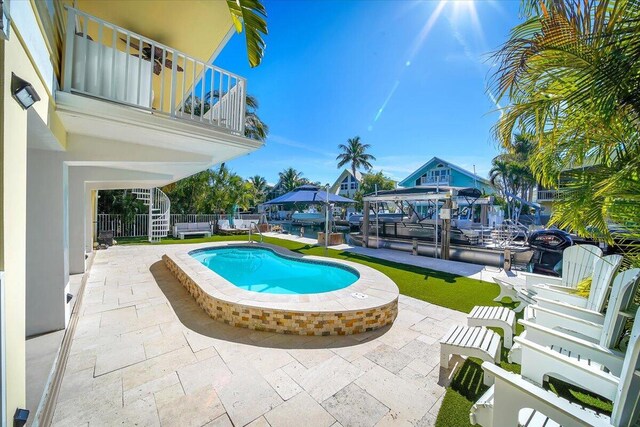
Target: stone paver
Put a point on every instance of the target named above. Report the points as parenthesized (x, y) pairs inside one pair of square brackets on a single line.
[(389, 358), (406, 399), (354, 407), (300, 407), (247, 396), (145, 353)]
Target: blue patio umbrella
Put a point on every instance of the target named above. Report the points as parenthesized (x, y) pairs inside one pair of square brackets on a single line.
[(308, 194)]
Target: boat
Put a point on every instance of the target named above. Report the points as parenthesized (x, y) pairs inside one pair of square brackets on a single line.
[(418, 222), (307, 218)]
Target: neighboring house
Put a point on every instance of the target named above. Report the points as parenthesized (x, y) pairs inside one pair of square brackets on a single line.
[(440, 174), (106, 116), (545, 198), (275, 191), (347, 184)]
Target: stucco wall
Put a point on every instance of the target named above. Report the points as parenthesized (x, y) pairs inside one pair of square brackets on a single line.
[(14, 189)]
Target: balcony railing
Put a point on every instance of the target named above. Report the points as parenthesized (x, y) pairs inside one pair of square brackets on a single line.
[(546, 195), (106, 61), (443, 180)]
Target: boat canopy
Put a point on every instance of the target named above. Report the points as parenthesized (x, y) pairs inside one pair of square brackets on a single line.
[(419, 194), (307, 194)]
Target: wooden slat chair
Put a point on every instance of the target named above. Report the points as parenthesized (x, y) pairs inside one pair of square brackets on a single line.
[(478, 342), (588, 322), (513, 400), (568, 308), (595, 366), (577, 264), (604, 271), (603, 329), (494, 317)]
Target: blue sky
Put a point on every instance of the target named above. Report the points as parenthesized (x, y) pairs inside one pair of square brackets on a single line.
[(408, 77)]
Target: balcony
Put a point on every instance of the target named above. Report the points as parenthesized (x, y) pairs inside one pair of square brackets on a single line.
[(109, 63), (546, 195), (434, 181)]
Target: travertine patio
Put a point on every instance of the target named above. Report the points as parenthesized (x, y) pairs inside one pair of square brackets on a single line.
[(145, 354)]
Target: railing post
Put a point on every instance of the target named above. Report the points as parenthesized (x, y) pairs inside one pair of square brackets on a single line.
[(243, 102), (150, 225), (174, 75), (68, 50)]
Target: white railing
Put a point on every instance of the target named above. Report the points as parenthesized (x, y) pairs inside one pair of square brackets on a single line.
[(443, 180), (106, 61), (546, 195), (139, 225)]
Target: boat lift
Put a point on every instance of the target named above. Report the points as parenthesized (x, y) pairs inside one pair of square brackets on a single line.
[(399, 197)]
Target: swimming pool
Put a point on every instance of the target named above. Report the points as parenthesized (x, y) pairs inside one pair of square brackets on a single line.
[(369, 303), (263, 270)]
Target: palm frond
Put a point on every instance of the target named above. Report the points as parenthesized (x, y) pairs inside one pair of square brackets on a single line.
[(251, 14)]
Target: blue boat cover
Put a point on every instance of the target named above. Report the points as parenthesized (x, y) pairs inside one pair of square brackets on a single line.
[(308, 194)]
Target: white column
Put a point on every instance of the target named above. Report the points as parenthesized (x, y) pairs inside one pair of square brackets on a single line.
[(88, 221), (76, 221), (47, 272)]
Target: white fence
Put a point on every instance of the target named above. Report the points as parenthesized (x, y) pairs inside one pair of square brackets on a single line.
[(139, 227)]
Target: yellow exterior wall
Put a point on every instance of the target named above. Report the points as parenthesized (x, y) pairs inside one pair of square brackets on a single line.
[(201, 28), (24, 67), (14, 221), (194, 27)]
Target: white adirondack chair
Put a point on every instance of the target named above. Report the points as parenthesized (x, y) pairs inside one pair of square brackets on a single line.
[(543, 314), (604, 271), (577, 264), (588, 322), (595, 366), (514, 401), (584, 322)]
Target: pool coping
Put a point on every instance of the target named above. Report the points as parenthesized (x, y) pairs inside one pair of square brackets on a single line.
[(328, 313)]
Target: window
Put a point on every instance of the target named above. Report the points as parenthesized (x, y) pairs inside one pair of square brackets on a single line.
[(344, 186), (354, 185), (439, 175), (4, 20)]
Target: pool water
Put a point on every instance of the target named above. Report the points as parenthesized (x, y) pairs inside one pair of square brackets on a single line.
[(262, 270)]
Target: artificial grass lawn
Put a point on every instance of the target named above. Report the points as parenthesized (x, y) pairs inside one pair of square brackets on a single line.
[(444, 289)]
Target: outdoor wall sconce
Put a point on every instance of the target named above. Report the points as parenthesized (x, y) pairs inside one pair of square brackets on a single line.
[(23, 92), (20, 417)]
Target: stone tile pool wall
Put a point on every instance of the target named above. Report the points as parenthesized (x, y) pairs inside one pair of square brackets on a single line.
[(286, 321)]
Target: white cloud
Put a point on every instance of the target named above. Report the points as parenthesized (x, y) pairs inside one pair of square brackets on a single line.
[(281, 140)]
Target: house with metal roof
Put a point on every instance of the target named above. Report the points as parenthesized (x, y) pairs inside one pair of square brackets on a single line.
[(440, 174)]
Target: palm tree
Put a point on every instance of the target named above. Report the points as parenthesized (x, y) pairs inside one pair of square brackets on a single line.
[(258, 188), (571, 74), (355, 153), (254, 127), (252, 14), (259, 183), (290, 179)]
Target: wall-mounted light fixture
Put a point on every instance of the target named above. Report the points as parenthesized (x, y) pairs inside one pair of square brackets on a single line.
[(20, 417), (23, 92)]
